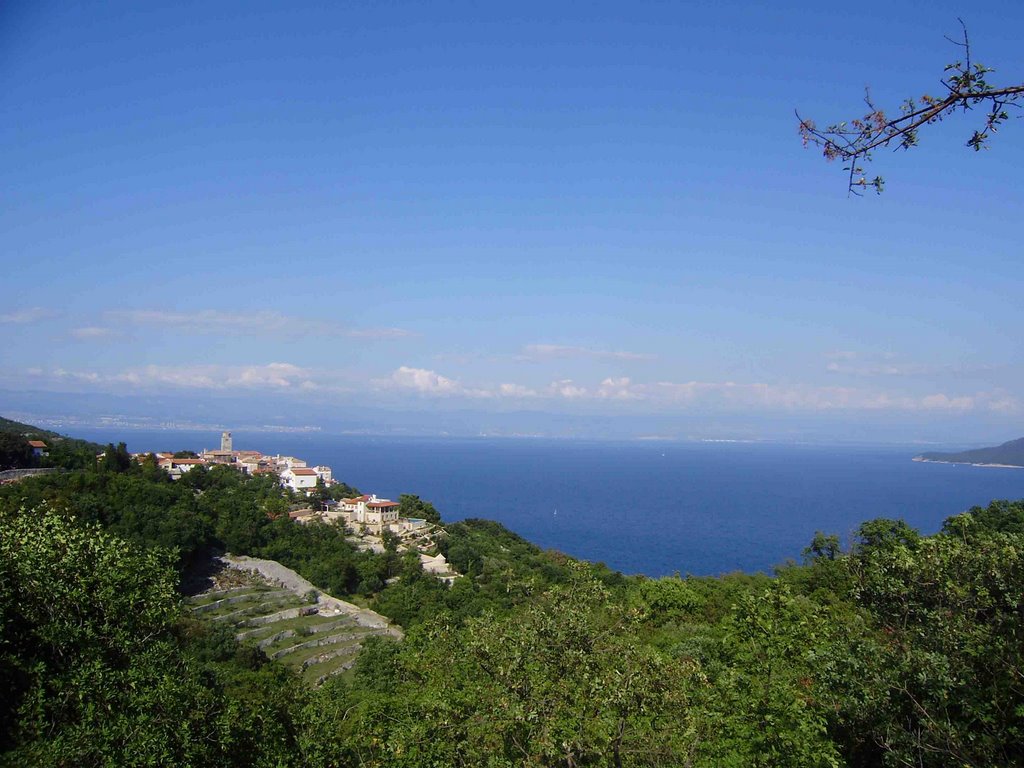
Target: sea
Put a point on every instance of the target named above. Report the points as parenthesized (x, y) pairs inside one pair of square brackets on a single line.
[(653, 508)]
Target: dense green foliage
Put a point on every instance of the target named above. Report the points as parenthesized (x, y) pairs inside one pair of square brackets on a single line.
[(502, 570), (410, 505), (62, 452), (97, 669), (904, 650), (15, 452)]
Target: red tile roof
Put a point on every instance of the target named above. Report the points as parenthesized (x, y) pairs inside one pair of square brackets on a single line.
[(37, 443), (303, 471), (382, 504)]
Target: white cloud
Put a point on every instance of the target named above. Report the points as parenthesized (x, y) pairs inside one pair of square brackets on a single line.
[(620, 389), (427, 382), (881, 369), (567, 389), (247, 323), (95, 333), (1000, 403), (888, 364), (271, 376), (773, 397), (562, 352), (430, 383), (941, 402), (204, 377), (375, 333), (666, 396), (727, 395), (516, 390), (26, 316), (90, 377)]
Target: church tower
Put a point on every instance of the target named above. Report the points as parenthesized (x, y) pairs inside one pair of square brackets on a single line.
[(225, 441)]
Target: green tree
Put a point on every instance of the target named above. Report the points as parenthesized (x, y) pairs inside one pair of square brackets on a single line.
[(950, 657), (15, 452), (86, 647), (765, 703), (822, 547), (999, 516), (116, 459), (883, 533), (93, 668), (562, 681), (410, 505)]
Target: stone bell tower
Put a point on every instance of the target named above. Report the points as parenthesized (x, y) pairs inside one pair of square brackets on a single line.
[(225, 441)]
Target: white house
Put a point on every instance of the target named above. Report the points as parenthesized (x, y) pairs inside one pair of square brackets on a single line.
[(288, 462), (299, 479), (380, 513), (169, 462), (370, 512), (175, 467), (438, 567)]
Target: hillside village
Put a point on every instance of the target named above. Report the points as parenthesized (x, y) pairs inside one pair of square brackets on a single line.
[(294, 472), (371, 523), (369, 519)]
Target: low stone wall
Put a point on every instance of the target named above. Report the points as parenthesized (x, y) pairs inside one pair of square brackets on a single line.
[(274, 572), (287, 613), (250, 597), (319, 642), (9, 475)]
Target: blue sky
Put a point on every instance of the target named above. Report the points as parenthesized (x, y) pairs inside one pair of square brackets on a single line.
[(595, 212)]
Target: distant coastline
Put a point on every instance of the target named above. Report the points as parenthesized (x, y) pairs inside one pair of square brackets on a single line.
[(967, 463), (1009, 455)]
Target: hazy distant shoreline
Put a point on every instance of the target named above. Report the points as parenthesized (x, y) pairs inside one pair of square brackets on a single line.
[(967, 463)]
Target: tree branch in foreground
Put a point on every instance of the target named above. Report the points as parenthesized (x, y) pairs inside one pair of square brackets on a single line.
[(966, 86)]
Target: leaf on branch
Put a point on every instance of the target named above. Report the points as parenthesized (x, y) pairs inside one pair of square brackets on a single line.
[(967, 86)]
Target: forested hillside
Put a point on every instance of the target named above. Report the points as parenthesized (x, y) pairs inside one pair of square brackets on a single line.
[(904, 650), (61, 451), (1010, 453)]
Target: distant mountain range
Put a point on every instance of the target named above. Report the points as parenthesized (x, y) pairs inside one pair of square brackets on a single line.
[(1007, 454)]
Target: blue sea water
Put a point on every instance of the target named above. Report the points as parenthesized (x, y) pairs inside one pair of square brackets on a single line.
[(651, 508)]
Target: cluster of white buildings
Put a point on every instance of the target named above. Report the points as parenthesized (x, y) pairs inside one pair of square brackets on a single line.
[(293, 471), (365, 514)]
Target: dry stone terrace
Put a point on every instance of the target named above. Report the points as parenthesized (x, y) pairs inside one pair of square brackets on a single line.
[(272, 607)]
